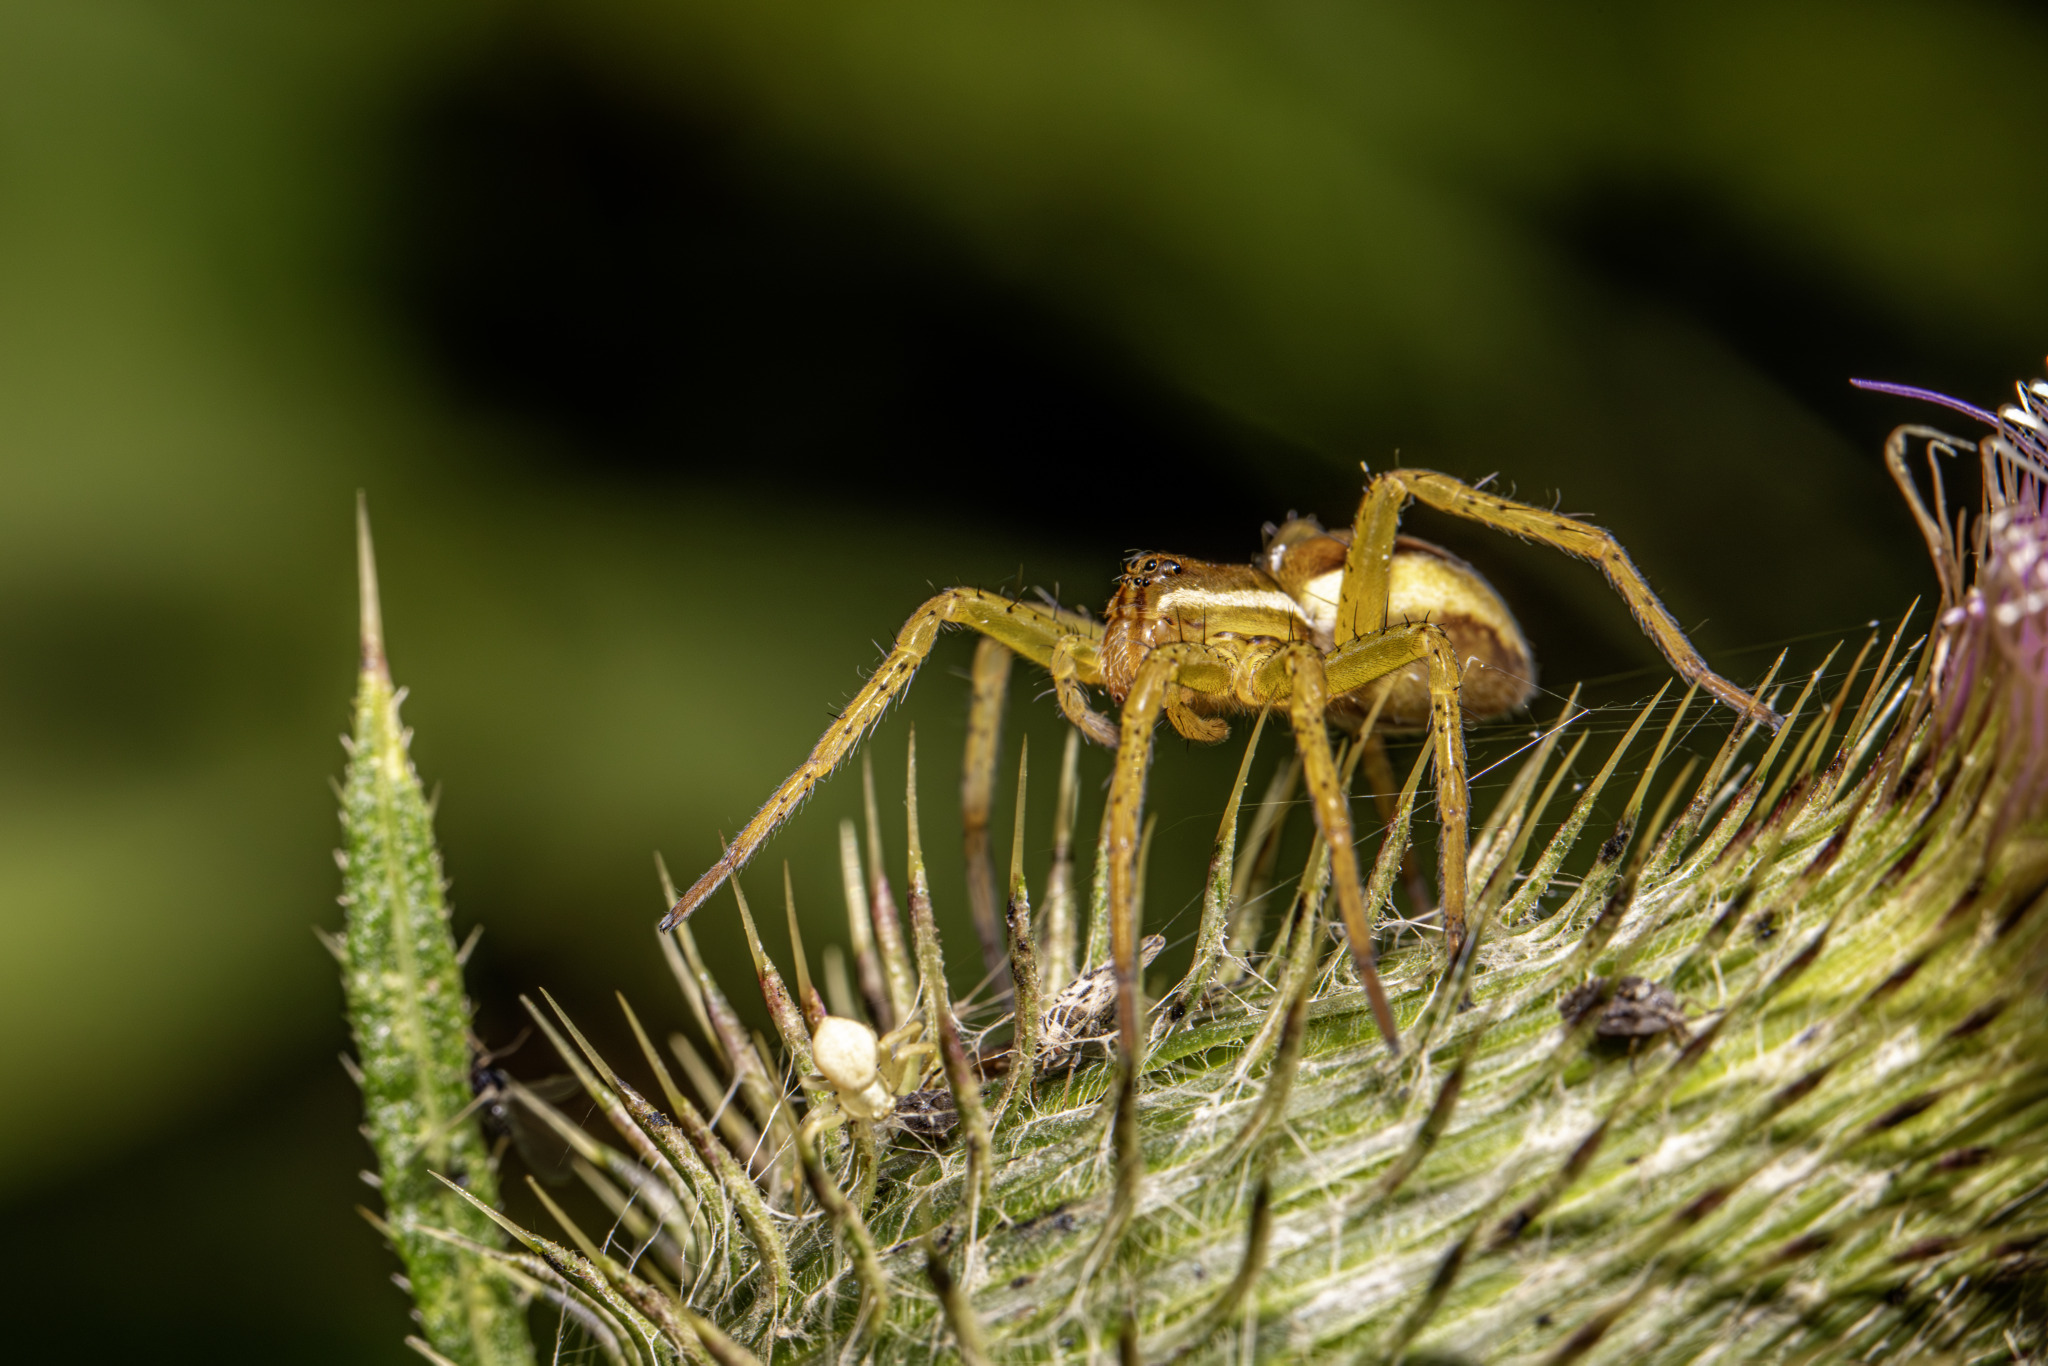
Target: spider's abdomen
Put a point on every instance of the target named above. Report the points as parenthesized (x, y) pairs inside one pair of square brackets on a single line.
[(1425, 582)]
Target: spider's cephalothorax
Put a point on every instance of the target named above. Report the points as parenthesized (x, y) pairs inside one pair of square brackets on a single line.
[(1322, 626), (1291, 593)]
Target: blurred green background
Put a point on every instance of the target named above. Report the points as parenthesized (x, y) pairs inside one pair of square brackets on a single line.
[(682, 347)]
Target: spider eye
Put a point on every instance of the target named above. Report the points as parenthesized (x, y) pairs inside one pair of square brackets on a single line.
[(1150, 565), (1171, 566)]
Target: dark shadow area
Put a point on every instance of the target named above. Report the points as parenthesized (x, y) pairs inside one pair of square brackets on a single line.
[(100, 678), (1794, 319), (234, 1238), (678, 306), (681, 306)]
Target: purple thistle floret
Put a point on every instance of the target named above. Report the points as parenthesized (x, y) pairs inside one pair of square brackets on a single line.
[(2006, 608), (1881, 386)]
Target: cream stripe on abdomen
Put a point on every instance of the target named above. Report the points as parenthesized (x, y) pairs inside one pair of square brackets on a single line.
[(1199, 601)]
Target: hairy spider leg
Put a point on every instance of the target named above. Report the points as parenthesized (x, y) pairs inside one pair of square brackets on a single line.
[(1038, 633), (1165, 670), (1297, 676), (1362, 605), (1353, 665)]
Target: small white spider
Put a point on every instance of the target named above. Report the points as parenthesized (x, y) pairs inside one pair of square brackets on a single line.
[(867, 1075)]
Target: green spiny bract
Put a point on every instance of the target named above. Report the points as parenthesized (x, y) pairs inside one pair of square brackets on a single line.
[(1829, 1148), (402, 975)]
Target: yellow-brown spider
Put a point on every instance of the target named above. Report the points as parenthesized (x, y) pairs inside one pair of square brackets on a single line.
[(1324, 626)]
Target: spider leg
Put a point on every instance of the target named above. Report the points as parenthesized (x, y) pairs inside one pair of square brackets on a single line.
[(1035, 632), (1367, 658), (1165, 670), (902, 1036), (1307, 706), (898, 1071), (1351, 666), (1362, 606)]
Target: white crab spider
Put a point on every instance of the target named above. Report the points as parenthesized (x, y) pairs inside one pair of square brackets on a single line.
[(866, 1074)]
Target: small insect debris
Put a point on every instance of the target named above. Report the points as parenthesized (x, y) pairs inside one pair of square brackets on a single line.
[(1085, 1013), (1635, 1009)]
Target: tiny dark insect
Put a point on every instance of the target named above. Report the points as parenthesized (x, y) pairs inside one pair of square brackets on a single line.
[(1636, 1009), (1056, 1218), (492, 1087), (928, 1115), (546, 1155)]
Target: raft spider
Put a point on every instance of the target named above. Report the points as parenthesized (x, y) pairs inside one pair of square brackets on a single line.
[(1322, 625)]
